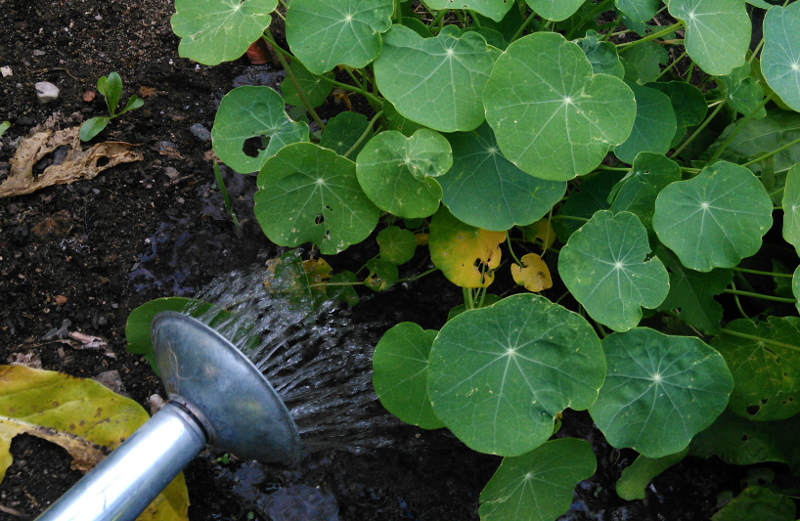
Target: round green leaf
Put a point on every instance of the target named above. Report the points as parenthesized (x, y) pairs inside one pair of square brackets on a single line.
[(499, 375), (539, 485), (715, 219), (654, 127), (343, 131), (638, 10), (637, 191), (764, 358), (743, 92), (307, 193), (485, 190), (660, 391), (791, 208), (717, 32), (759, 503), (601, 54), (603, 265), (400, 374), (556, 10), (780, 59), (796, 287), (396, 245), (253, 112), (552, 116), (327, 33), (314, 87), (643, 62), (214, 31), (632, 483), (435, 81), (688, 103), (494, 9), (397, 172)]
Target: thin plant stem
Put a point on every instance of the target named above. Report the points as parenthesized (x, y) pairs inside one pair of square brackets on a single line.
[(756, 338), (293, 79), (671, 65), (739, 303), (227, 199), (653, 36), (524, 25), (739, 126), (755, 51), (765, 273), (419, 275), (761, 296), (511, 251), (364, 134), (570, 218), (467, 294), (770, 154), (698, 130)]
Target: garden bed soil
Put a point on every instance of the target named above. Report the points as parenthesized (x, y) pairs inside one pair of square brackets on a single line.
[(79, 257)]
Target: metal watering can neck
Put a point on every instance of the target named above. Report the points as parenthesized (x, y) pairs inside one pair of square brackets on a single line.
[(218, 397)]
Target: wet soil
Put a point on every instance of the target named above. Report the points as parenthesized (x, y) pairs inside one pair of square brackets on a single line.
[(77, 258)]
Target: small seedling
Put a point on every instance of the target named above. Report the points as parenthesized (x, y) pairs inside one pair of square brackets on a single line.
[(5, 125), (111, 89)]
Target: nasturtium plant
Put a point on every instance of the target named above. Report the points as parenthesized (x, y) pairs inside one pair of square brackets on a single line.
[(633, 162), (537, 486), (660, 391), (327, 33), (521, 361), (552, 116), (605, 268), (713, 220)]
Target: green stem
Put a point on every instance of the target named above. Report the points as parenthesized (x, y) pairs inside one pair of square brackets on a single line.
[(756, 338), (739, 126), (524, 25), (698, 130), (300, 92), (653, 36), (467, 294), (364, 135), (738, 302), (226, 199), (570, 218), (765, 273), (671, 65), (419, 275), (511, 251), (346, 86), (761, 296), (770, 154), (755, 51), (613, 168)]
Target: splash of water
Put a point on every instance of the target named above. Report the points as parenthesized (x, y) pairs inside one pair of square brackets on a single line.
[(316, 358)]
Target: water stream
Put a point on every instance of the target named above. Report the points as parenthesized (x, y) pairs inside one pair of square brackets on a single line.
[(316, 358)]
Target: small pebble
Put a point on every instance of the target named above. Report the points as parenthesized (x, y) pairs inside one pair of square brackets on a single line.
[(38, 52), (46, 92), (5, 70), (200, 132), (61, 299)]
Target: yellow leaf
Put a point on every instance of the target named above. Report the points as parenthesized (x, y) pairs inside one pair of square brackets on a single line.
[(533, 274), (541, 232), (466, 255), (85, 418)]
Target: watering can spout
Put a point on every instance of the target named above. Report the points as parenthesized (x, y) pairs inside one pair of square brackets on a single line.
[(217, 396)]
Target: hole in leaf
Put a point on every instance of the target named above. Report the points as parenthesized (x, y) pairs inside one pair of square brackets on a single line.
[(328, 208), (254, 145), (752, 410), (102, 161), (763, 401), (744, 437), (56, 157), (319, 219)]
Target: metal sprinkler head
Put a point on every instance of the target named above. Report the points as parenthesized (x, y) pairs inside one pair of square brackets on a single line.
[(217, 396), (236, 406)]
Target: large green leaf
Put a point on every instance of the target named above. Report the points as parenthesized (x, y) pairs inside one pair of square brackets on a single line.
[(253, 112), (691, 293), (343, 131), (780, 59), (638, 10), (688, 103), (742, 92), (603, 265), (556, 10), (758, 503), (396, 245), (637, 191), (632, 483), (400, 374), (791, 208), (643, 62), (715, 219), (654, 127), (494, 9), (796, 287), (83, 417), (552, 116), (660, 391), (601, 54), (764, 358), (307, 193), (213, 31), (397, 172), (314, 87), (717, 32), (539, 485), (485, 190), (499, 375), (436, 81), (327, 33)]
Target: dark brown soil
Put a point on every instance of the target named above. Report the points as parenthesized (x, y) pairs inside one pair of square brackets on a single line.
[(80, 257)]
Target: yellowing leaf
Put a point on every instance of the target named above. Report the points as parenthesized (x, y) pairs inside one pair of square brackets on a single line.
[(541, 232), (82, 416), (533, 274), (466, 255), (317, 270)]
